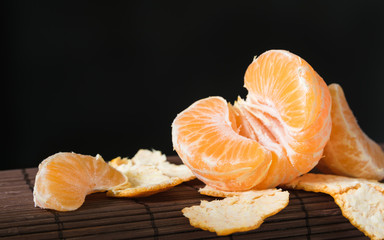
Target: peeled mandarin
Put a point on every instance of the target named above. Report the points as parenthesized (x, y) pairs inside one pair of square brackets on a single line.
[(276, 134)]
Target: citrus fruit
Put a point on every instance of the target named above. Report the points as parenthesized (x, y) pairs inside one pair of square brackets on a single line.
[(349, 151), (276, 134), (64, 179)]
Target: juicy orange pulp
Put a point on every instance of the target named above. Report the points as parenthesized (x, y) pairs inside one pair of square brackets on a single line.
[(64, 179), (276, 134), (349, 151)]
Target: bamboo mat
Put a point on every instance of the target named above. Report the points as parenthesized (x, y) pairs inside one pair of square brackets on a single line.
[(308, 215)]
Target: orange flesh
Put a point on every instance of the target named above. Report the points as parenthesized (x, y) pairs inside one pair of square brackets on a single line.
[(350, 152), (276, 134), (64, 179), (208, 128)]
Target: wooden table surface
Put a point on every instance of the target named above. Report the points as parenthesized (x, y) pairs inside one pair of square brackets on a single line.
[(308, 215)]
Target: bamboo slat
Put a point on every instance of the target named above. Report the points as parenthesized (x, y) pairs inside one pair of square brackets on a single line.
[(308, 215)]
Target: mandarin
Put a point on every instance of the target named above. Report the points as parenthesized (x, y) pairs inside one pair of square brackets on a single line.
[(275, 135)]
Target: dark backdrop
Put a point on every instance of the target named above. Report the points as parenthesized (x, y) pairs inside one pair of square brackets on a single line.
[(109, 77)]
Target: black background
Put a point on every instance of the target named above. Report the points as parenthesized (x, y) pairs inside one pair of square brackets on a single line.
[(109, 77)]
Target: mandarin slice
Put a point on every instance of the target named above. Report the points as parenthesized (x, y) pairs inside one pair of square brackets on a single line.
[(349, 151), (275, 135), (204, 139), (64, 179)]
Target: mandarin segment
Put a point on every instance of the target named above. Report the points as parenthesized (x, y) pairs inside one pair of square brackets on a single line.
[(64, 179), (206, 142), (350, 152), (276, 134), (287, 84), (292, 102)]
